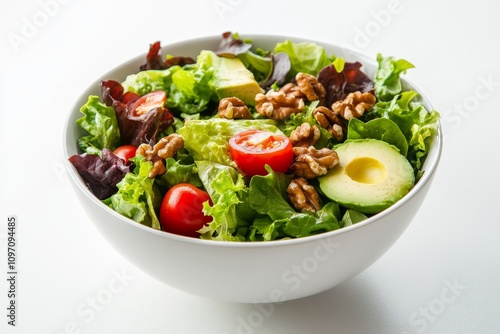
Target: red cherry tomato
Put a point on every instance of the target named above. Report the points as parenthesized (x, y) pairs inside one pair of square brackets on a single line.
[(149, 101), (125, 152), (181, 210), (253, 149)]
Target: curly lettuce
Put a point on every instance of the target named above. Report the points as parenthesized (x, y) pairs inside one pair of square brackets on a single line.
[(100, 122), (387, 81)]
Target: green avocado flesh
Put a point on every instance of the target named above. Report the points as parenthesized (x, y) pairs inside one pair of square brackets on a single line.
[(232, 78), (371, 176)]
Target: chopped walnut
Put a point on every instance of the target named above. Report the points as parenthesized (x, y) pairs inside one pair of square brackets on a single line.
[(310, 162), (303, 196), (354, 105), (291, 89), (278, 106), (305, 135), (233, 108), (165, 148), (311, 87), (328, 120)]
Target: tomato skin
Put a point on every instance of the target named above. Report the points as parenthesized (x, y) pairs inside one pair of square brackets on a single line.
[(148, 101), (253, 149), (125, 152), (181, 210)]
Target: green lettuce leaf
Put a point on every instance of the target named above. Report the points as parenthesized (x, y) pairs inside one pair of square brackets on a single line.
[(305, 57), (387, 81), (191, 91), (268, 197), (225, 187), (208, 139), (137, 197), (149, 81), (380, 128), (100, 122), (418, 125), (352, 217)]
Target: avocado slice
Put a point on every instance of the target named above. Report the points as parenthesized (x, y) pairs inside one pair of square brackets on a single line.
[(232, 78), (371, 176)]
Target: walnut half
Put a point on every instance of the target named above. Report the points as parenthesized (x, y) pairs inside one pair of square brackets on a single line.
[(277, 105), (305, 135), (165, 148), (354, 105), (233, 108), (303, 196), (310, 162)]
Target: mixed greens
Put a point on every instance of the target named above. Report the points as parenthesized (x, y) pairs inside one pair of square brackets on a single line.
[(242, 208)]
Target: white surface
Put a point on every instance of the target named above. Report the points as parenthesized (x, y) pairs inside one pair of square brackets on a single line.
[(442, 276)]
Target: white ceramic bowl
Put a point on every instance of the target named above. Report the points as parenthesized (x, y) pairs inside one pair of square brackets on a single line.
[(249, 272)]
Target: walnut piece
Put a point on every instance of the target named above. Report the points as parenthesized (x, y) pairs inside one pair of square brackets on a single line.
[(291, 89), (328, 120), (165, 148), (354, 105), (233, 108), (277, 105), (305, 135), (310, 162), (311, 87), (303, 196)]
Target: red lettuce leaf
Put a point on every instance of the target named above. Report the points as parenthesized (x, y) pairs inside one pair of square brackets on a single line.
[(231, 47), (134, 129), (281, 67), (154, 59), (339, 85), (101, 174)]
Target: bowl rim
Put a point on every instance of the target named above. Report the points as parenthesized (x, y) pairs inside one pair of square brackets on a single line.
[(430, 164)]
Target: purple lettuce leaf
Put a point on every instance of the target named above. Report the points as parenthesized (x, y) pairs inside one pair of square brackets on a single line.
[(339, 85), (101, 174), (231, 47)]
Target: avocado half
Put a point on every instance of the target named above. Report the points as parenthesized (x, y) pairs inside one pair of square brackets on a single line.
[(371, 176)]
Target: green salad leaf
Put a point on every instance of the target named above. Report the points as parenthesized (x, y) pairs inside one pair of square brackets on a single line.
[(225, 187), (387, 82), (417, 124), (380, 128), (305, 57), (100, 122), (137, 197), (277, 218), (208, 139), (151, 80)]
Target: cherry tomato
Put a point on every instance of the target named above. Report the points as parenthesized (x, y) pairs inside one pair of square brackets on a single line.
[(149, 101), (125, 152), (253, 149), (181, 210)]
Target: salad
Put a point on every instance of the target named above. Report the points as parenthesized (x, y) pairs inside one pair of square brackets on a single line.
[(246, 144)]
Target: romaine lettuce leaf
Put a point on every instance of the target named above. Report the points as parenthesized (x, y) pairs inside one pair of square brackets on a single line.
[(208, 139), (137, 197), (387, 81), (100, 122)]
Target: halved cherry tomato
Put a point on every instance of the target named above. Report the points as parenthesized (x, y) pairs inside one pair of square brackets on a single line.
[(125, 152), (181, 210), (149, 101), (253, 149)]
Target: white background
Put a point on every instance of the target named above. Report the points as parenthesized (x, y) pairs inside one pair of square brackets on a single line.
[(443, 274)]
